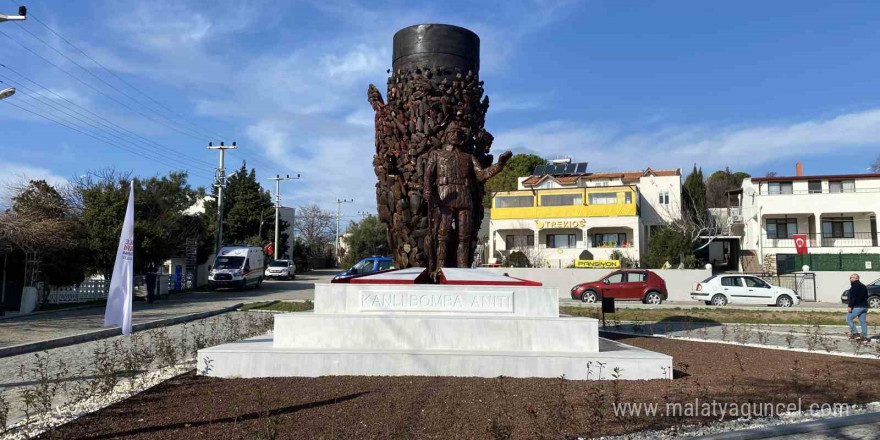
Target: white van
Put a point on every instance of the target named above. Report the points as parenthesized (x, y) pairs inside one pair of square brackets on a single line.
[(237, 266)]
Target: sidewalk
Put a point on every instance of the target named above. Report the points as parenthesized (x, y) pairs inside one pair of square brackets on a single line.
[(69, 322)]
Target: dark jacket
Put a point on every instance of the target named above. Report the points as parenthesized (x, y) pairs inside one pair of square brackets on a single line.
[(858, 295)]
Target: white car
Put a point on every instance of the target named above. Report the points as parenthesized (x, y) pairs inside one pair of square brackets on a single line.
[(281, 269), (721, 290)]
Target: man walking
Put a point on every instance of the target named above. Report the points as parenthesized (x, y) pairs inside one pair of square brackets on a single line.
[(858, 307)]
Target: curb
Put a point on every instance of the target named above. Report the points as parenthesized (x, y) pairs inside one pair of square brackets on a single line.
[(737, 344), (797, 428), (31, 347)]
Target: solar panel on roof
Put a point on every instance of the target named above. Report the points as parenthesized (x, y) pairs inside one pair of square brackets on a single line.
[(560, 169), (581, 168), (569, 169)]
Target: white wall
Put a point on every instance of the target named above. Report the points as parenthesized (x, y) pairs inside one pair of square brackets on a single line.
[(830, 285), (650, 187), (678, 282)]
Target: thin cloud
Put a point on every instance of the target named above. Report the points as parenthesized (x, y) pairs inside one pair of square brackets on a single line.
[(711, 146)]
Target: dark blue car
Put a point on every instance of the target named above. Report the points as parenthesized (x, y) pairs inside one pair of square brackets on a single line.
[(367, 265)]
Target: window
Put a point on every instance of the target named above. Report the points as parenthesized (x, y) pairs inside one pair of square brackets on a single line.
[(603, 198), (514, 202), (815, 186), (609, 240), (561, 241), (664, 198), (519, 241), (730, 282), (841, 227), (384, 264), (628, 198), (781, 228), (562, 200), (841, 186), (754, 282), (781, 188), (637, 277), (615, 278), (363, 266)]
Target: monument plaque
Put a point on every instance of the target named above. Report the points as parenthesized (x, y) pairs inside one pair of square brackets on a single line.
[(462, 301)]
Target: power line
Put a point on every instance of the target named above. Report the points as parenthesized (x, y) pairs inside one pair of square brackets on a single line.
[(101, 120), (95, 88), (101, 79), (99, 129), (135, 152), (200, 132), (204, 131)]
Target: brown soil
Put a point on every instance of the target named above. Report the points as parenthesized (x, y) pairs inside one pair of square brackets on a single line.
[(334, 408)]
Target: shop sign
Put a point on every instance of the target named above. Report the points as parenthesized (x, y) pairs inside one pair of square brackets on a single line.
[(597, 264), (548, 224)]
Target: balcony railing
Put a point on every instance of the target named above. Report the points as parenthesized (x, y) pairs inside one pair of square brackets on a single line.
[(858, 239), (766, 192)]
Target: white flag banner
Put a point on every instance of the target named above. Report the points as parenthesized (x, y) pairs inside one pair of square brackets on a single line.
[(121, 293)]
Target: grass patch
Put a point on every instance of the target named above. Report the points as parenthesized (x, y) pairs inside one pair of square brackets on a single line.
[(724, 315), (279, 306)]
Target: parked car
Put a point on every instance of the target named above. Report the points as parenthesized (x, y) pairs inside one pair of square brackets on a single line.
[(285, 269), (873, 295), (367, 265), (626, 284), (721, 290)]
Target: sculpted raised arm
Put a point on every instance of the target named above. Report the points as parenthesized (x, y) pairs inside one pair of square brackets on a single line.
[(484, 174)]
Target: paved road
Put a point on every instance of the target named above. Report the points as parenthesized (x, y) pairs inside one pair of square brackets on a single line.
[(40, 327)]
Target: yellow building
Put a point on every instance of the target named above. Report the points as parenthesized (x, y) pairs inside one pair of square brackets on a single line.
[(557, 217)]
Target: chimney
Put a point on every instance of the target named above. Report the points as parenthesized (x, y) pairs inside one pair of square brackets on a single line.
[(799, 169)]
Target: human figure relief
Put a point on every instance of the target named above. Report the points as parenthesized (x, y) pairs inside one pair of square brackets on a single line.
[(452, 177)]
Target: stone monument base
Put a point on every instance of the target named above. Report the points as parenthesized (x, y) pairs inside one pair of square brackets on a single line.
[(477, 325)]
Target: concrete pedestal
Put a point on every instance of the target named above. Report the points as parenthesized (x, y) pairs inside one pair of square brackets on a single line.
[(390, 326)]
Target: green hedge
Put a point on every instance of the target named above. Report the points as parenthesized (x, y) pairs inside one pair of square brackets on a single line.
[(841, 262)]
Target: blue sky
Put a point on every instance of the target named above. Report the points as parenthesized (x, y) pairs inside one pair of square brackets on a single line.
[(623, 85)]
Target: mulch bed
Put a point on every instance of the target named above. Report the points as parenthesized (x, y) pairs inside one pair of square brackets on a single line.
[(334, 408)]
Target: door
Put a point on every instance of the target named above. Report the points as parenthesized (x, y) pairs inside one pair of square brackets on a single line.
[(733, 288), (615, 285), (757, 291), (636, 282)]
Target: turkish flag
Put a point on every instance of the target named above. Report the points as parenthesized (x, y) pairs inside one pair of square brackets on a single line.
[(800, 243), (269, 249)]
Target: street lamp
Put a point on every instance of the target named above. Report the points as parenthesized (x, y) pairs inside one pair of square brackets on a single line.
[(5, 93), (22, 15)]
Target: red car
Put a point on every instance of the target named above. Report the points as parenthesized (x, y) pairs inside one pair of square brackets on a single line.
[(626, 284)]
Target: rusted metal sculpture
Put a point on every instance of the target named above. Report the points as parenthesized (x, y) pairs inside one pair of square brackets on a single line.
[(432, 149)]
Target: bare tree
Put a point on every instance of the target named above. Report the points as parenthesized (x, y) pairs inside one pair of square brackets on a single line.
[(39, 222), (316, 226), (700, 230)]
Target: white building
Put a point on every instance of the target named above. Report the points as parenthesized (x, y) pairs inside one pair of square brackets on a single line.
[(838, 214), (563, 213)]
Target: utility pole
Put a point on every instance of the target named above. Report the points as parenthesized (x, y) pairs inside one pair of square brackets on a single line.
[(278, 180), (221, 183), (339, 203), (363, 214)]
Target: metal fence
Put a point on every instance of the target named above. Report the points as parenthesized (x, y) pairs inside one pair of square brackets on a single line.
[(91, 290), (804, 284), (86, 291)]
